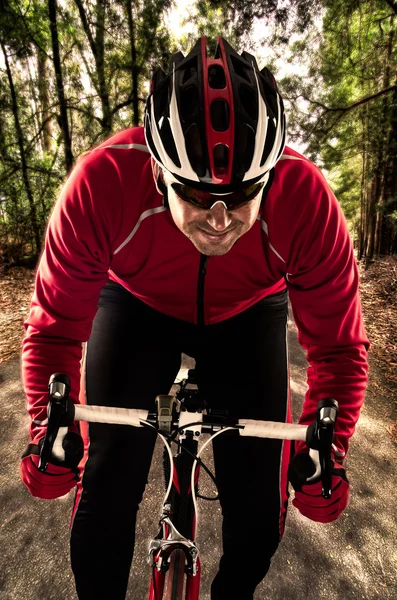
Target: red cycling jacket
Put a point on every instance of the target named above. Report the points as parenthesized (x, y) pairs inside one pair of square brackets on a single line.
[(109, 221)]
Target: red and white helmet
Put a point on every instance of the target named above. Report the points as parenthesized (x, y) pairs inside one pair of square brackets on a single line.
[(215, 123)]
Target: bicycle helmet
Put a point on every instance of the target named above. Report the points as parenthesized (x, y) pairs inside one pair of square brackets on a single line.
[(216, 124)]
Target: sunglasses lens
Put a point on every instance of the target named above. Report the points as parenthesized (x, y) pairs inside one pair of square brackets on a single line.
[(206, 200)]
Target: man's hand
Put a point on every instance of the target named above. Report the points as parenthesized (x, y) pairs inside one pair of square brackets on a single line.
[(308, 495), (60, 477)]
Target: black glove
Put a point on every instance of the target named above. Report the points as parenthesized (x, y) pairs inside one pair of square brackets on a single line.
[(61, 476), (308, 495)]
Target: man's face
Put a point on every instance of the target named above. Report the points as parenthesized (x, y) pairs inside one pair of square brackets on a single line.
[(214, 231)]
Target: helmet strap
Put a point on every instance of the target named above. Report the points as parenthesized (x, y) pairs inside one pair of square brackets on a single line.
[(268, 185), (159, 182), (161, 186)]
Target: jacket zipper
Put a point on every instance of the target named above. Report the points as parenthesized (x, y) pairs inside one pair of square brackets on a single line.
[(200, 290)]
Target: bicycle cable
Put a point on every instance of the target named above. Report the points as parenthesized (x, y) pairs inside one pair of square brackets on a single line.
[(194, 467), (172, 438), (206, 469)]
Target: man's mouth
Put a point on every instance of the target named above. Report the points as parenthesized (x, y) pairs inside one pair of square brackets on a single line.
[(214, 235)]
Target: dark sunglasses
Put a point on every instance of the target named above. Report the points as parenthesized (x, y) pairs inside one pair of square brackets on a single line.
[(206, 200)]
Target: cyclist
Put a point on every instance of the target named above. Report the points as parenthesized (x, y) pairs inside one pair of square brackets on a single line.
[(186, 236)]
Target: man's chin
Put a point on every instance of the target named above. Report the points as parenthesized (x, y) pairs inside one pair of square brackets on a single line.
[(210, 249), (213, 247)]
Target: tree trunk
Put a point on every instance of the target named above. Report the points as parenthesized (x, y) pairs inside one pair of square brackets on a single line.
[(364, 190), (64, 123), (34, 101), (97, 46), (8, 225), (100, 65), (44, 98), (389, 235), (134, 66), (361, 226), (377, 201), (374, 190), (389, 152), (18, 129)]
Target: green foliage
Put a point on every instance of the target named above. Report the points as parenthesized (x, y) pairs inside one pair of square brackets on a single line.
[(335, 69), (342, 109), (239, 16), (210, 20), (105, 71)]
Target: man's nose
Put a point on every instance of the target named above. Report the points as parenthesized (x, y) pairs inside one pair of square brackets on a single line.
[(218, 217)]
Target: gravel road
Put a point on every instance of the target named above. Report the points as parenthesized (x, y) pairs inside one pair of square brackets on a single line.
[(352, 559)]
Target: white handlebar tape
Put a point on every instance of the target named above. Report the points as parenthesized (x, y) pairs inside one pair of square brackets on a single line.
[(57, 449), (281, 431), (107, 414), (99, 414), (315, 456), (273, 429)]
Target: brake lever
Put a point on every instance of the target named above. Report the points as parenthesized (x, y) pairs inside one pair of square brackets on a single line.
[(327, 412), (320, 436), (58, 415)]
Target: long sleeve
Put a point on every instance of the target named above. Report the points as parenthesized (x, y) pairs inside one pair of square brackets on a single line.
[(72, 270), (323, 286)]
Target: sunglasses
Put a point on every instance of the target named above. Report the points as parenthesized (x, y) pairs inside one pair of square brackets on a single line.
[(205, 200)]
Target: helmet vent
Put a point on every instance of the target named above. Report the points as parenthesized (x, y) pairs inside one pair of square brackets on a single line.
[(194, 149), (168, 142), (221, 158), (220, 114), (247, 141), (216, 77), (270, 139), (161, 102), (248, 102), (189, 71), (189, 102), (240, 68)]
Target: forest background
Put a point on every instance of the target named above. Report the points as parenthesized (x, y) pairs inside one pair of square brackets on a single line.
[(72, 72)]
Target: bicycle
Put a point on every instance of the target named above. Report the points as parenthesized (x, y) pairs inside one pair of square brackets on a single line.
[(181, 420)]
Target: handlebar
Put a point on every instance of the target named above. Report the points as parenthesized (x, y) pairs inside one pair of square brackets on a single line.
[(62, 412)]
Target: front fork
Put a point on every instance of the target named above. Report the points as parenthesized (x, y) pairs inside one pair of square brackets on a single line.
[(169, 539), (160, 550), (157, 581)]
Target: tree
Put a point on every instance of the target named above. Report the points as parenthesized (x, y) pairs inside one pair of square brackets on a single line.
[(19, 45), (237, 17), (74, 72), (135, 37), (345, 109), (64, 122)]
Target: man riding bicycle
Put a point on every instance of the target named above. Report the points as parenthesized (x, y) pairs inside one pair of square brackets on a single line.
[(188, 235)]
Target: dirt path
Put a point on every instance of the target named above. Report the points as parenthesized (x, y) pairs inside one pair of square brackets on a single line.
[(354, 558)]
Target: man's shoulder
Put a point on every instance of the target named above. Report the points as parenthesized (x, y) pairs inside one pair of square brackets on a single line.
[(121, 155), (294, 173), (290, 153), (132, 138), (298, 188), (291, 159)]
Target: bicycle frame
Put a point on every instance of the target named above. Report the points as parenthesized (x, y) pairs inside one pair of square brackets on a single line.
[(172, 538), (178, 519)]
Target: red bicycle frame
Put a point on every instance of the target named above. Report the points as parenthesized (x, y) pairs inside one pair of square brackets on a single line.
[(178, 528)]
